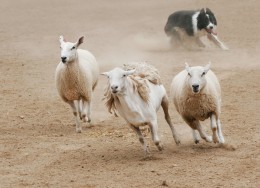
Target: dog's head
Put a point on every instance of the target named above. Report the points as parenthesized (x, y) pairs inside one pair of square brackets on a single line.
[(207, 21)]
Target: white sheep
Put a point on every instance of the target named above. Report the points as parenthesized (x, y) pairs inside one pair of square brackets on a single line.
[(137, 94), (196, 95), (76, 78)]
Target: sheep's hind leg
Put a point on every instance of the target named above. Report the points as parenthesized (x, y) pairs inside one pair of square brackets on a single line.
[(85, 113), (165, 106), (141, 139), (214, 128), (75, 109), (154, 129), (220, 135)]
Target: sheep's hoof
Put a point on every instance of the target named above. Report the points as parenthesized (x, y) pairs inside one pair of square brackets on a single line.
[(208, 139), (197, 141), (78, 130), (178, 142), (147, 154), (83, 118), (146, 151), (159, 146), (215, 139), (221, 140)]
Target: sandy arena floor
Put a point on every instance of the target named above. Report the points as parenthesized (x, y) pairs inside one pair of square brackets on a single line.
[(38, 143)]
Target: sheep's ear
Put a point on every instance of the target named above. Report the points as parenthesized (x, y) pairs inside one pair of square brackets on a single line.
[(129, 72), (207, 67), (187, 67), (105, 74), (62, 39), (80, 41)]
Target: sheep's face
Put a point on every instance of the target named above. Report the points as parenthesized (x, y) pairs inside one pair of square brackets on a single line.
[(196, 77), (68, 49), (117, 80)]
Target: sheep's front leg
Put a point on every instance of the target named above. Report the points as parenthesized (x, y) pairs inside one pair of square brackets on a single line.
[(86, 108), (75, 109), (202, 133), (195, 124), (165, 106), (214, 128), (195, 136), (154, 129), (220, 135), (89, 111), (141, 139)]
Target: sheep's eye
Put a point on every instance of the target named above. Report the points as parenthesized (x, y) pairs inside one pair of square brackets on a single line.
[(73, 48), (189, 74), (124, 75), (203, 74)]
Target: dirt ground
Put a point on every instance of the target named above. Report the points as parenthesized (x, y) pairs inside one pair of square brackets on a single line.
[(38, 143)]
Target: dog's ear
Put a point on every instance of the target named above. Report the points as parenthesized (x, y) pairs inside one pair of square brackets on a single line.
[(203, 11), (208, 11), (212, 16)]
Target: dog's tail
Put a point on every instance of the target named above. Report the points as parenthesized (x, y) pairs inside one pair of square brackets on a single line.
[(168, 29)]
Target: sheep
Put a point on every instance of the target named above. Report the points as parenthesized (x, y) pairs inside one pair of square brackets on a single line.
[(136, 93), (196, 94), (76, 78)]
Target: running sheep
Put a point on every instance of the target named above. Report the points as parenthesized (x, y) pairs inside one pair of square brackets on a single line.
[(76, 78), (136, 93), (196, 95)]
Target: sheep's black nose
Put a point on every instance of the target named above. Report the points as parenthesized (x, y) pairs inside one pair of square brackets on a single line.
[(63, 59), (211, 27), (195, 87), (114, 89)]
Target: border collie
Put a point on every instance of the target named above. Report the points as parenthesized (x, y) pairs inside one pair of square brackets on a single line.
[(194, 24)]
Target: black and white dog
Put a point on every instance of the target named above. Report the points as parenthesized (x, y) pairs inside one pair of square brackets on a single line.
[(194, 24)]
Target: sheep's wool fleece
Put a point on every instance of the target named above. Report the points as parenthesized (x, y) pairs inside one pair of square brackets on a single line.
[(143, 73)]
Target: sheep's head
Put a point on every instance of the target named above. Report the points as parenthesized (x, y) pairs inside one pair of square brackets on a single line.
[(117, 79), (68, 49), (196, 77)]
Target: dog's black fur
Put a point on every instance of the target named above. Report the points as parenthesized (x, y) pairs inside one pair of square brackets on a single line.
[(183, 20), (193, 23)]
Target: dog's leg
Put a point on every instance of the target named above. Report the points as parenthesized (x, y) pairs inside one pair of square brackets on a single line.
[(175, 39), (216, 41), (199, 42)]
